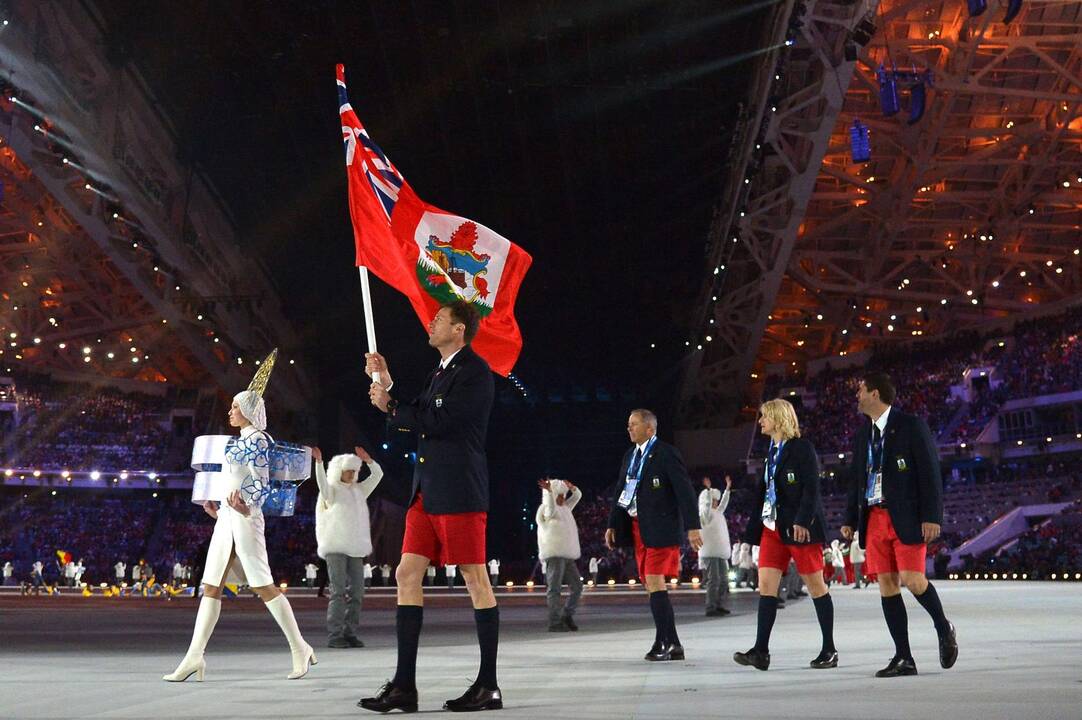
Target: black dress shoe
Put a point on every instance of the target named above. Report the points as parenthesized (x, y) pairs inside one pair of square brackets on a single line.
[(570, 623), (948, 648), (337, 642), (390, 698), (354, 641), (826, 660), (663, 652), (755, 658), (476, 698), (657, 652), (897, 667), (718, 612), (559, 627)]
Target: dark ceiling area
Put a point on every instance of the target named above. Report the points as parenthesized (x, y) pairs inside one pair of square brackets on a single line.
[(591, 133)]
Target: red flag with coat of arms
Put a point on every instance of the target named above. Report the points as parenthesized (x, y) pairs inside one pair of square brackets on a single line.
[(432, 256)]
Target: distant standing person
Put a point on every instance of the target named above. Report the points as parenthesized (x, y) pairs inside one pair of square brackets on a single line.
[(344, 537), (856, 559), (558, 546), (714, 555), (494, 571)]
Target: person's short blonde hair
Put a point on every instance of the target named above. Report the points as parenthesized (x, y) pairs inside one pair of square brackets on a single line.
[(783, 414)]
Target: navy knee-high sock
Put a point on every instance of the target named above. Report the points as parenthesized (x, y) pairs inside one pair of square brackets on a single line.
[(408, 627), (929, 600), (898, 624), (768, 611), (664, 618), (824, 610), (488, 637)]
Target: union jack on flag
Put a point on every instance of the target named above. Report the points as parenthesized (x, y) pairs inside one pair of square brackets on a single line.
[(381, 174)]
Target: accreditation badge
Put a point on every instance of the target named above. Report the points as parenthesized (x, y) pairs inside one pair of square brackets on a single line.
[(790, 477), (628, 495), (901, 464), (876, 495)]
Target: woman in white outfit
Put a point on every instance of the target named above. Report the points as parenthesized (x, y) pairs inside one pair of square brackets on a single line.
[(238, 536)]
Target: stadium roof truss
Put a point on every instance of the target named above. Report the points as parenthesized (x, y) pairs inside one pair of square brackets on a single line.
[(108, 241), (969, 215)]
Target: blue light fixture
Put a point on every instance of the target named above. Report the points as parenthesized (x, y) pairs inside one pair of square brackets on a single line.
[(858, 142), (888, 92)]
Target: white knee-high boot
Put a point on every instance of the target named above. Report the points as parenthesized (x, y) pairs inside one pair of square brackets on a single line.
[(302, 652), (193, 663)]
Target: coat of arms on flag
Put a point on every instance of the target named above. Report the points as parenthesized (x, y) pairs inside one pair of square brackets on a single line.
[(432, 256)]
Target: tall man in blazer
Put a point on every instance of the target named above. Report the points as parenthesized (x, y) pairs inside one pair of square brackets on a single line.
[(448, 510), (896, 502), (653, 504)]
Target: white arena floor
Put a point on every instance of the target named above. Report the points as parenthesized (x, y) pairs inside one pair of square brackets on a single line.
[(1021, 657)]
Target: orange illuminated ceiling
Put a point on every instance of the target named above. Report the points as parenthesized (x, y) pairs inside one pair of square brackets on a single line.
[(971, 214)]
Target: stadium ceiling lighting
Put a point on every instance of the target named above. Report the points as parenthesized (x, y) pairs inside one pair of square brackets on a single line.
[(62, 345), (995, 283), (94, 475)]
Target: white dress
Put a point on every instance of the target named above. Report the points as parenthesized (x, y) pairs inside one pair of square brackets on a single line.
[(248, 468)]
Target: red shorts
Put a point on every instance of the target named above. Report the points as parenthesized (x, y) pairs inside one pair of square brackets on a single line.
[(773, 553), (885, 553), (451, 539), (655, 561)]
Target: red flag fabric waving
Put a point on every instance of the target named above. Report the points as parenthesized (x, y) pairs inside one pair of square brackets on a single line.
[(430, 255)]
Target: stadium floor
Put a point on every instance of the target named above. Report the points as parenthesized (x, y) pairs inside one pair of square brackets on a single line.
[(1021, 657)]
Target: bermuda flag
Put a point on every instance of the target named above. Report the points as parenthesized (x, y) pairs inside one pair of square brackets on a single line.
[(431, 255)]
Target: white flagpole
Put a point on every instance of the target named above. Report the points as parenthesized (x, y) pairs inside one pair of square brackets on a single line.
[(369, 323)]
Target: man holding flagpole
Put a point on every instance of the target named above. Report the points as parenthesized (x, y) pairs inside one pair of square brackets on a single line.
[(462, 280), (448, 509)]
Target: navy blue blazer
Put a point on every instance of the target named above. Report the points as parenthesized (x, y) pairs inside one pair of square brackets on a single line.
[(665, 500), (451, 421), (912, 483), (799, 501)]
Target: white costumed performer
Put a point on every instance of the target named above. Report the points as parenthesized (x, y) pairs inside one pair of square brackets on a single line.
[(238, 534)]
